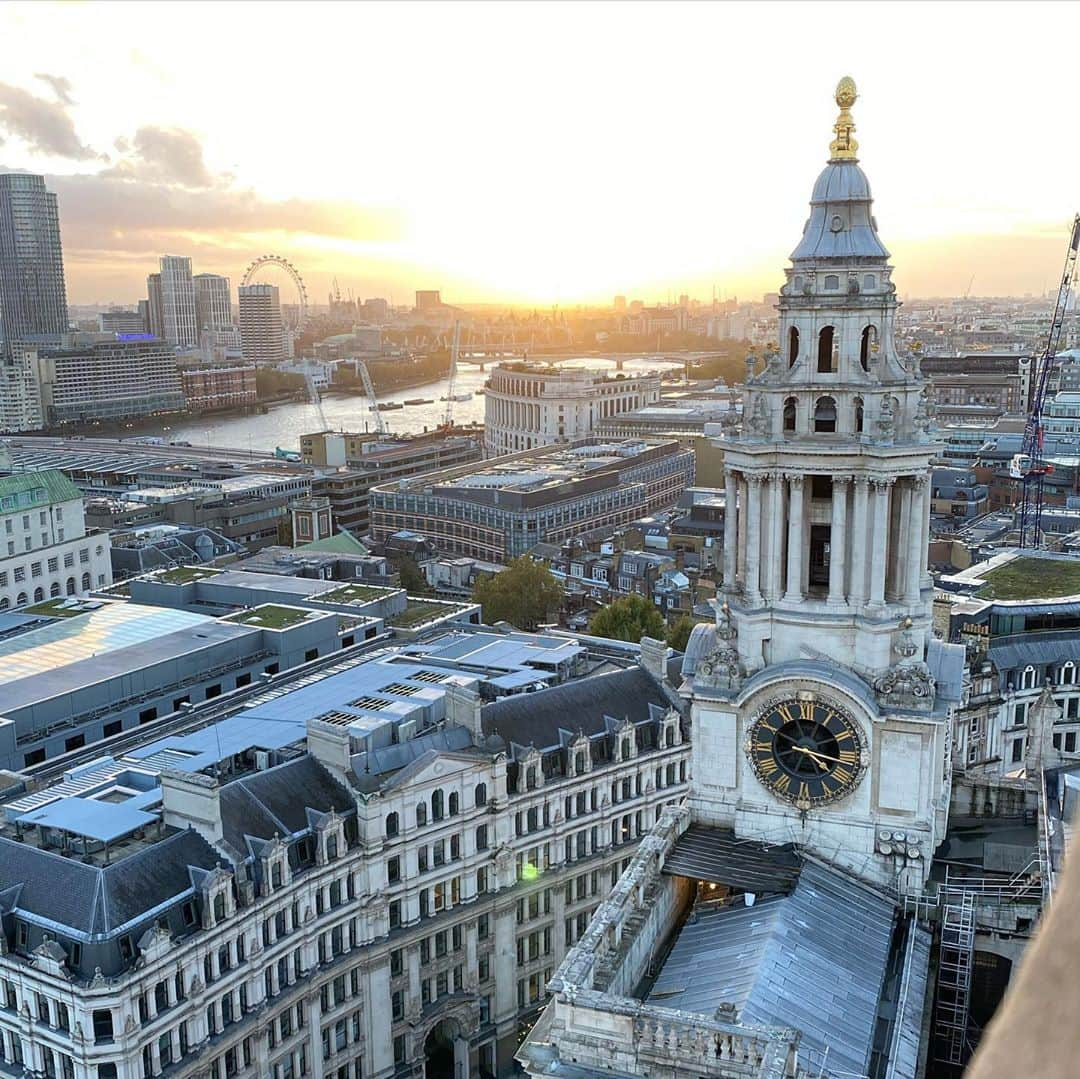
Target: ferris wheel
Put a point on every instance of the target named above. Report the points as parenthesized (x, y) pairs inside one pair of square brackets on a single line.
[(296, 324)]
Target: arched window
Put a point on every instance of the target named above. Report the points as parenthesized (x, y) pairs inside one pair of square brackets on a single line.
[(859, 410), (825, 415), (39, 594), (86, 582), (20, 600), (832, 281), (1027, 678), (480, 795), (869, 281), (825, 349), (669, 736), (866, 343), (54, 589), (5, 603), (437, 805), (791, 411), (452, 804), (392, 825), (579, 763), (71, 586), (421, 814), (792, 346), (1068, 674)]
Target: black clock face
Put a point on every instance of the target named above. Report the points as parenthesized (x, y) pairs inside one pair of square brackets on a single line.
[(806, 751)]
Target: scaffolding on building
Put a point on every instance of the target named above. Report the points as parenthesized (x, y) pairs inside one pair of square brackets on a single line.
[(953, 996)]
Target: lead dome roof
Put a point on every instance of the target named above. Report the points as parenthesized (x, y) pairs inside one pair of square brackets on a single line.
[(841, 224)]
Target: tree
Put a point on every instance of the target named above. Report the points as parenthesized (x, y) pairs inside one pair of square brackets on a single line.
[(412, 578), (524, 594), (628, 619), (679, 635)]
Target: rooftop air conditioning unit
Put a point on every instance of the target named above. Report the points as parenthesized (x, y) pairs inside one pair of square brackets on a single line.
[(262, 760), (407, 730)]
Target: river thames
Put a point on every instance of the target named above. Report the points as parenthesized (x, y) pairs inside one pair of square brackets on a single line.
[(284, 424)]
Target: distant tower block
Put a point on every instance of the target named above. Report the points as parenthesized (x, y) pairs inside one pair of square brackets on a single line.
[(311, 520)]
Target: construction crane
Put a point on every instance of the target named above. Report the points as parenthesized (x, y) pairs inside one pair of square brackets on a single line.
[(369, 390), (451, 382), (1028, 465)]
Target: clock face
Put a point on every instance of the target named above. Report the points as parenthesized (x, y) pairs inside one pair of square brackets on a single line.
[(806, 751)]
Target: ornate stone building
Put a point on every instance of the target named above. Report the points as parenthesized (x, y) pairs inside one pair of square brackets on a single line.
[(765, 928)]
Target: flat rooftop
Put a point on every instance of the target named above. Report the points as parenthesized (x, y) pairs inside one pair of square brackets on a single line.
[(111, 626)]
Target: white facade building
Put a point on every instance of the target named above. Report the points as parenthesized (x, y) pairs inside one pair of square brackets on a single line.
[(262, 331), (179, 323), (45, 550), (370, 908), (20, 391), (530, 405)]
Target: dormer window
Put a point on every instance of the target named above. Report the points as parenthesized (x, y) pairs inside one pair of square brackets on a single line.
[(275, 882), (219, 906)]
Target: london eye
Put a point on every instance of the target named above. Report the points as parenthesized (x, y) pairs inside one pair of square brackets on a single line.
[(295, 315)]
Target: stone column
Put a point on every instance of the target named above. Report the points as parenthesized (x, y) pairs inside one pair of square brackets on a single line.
[(753, 540), (838, 541), (740, 529), (775, 575), (924, 554), (461, 1058), (731, 540), (860, 540), (880, 543), (916, 541), (794, 592)]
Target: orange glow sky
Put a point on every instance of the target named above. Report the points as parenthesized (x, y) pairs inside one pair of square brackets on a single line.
[(540, 153)]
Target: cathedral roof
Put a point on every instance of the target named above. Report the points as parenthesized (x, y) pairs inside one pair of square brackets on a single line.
[(841, 225)]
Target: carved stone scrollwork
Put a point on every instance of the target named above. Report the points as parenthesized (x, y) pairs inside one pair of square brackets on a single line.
[(758, 424), (721, 668), (906, 685)]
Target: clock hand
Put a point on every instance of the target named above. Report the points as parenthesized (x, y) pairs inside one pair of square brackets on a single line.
[(811, 754), (818, 756)]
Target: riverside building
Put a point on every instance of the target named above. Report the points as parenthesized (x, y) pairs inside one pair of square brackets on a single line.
[(527, 405), (503, 510), (372, 874)]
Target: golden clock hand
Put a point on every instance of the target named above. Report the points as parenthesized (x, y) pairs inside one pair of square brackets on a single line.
[(811, 754)]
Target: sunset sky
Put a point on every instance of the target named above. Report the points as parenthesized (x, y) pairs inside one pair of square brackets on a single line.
[(547, 153)]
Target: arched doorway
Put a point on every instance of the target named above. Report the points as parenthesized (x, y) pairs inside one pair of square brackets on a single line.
[(446, 1051)]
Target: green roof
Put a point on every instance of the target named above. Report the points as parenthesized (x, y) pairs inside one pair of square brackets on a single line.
[(1032, 578), (56, 486), (342, 543)]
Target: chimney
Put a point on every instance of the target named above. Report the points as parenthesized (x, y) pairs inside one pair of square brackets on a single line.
[(653, 657), (192, 800), (331, 745)]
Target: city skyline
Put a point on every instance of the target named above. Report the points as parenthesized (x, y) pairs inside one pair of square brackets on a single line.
[(620, 153)]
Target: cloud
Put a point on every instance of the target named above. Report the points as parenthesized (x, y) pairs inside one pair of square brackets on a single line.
[(164, 155), (61, 86), (43, 125)]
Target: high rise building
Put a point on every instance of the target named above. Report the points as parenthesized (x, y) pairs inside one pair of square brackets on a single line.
[(428, 299), (213, 306), (178, 301), (20, 390), (155, 306), (33, 297), (262, 332)]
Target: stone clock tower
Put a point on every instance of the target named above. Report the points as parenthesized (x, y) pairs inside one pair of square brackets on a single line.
[(820, 699)]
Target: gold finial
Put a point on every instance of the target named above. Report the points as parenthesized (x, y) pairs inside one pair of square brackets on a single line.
[(843, 147)]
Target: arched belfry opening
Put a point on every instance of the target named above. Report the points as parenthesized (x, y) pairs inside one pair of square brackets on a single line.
[(793, 346), (791, 414), (859, 415), (825, 350), (866, 346), (825, 415)]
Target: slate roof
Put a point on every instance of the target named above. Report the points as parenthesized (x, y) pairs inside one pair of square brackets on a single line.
[(93, 901), (1036, 649), (714, 854), (275, 802), (815, 960), (536, 718)]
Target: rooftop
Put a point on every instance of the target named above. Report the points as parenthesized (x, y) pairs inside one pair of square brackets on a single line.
[(269, 616), (1032, 578)]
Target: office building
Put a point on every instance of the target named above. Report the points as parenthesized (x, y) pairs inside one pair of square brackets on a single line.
[(262, 332), (208, 385), (369, 874), (46, 551), (504, 509), (20, 390), (109, 380), (33, 296), (759, 930), (529, 405), (180, 325), (155, 307), (213, 303), (428, 299), (117, 321)]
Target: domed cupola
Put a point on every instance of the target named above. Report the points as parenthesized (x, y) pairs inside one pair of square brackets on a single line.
[(841, 225)]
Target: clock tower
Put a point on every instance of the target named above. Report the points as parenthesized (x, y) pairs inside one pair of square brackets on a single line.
[(820, 698)]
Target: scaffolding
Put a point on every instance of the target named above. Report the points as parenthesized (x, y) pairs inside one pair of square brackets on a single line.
[(954, 977)]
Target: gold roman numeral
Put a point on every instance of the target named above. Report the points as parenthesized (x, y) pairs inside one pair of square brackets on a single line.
[(849, 756), (806, 711)]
